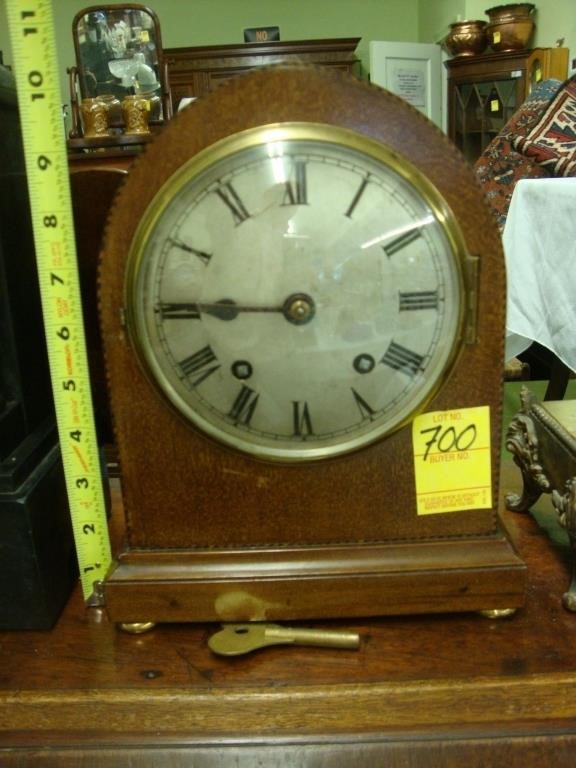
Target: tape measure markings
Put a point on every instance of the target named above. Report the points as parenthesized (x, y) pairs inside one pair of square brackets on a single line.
[(33, 43)]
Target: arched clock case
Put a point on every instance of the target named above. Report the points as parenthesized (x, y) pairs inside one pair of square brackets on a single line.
[(298, 265)]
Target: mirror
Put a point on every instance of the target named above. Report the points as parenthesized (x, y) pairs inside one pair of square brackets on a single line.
[(118, 55)]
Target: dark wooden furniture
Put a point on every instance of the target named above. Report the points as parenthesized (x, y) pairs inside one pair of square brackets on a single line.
[(92, 190), (421, 691), (95, 177), (192, 72), (485, 91)]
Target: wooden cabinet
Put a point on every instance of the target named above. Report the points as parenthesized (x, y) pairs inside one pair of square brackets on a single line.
[(485, 91), (193, 72)]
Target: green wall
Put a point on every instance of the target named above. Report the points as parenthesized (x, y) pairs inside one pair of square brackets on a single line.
[(434, 18), (206, 22), (212, 22)]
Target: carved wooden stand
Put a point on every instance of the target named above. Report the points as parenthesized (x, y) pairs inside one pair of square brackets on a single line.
[(542, 440)]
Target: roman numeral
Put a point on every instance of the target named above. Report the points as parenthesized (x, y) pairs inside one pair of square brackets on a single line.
[(401, 242), (229, 197), (357, 196), (366, 411), (202, 255), (401, 359), (244, 406), (178, 311), (418, 300), (199, 363), (301, 419), (296, 191)]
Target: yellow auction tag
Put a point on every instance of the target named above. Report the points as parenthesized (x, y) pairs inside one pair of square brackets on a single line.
[(35, 68), (452, 460)]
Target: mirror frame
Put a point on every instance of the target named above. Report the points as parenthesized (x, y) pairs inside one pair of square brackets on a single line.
[(78, 74)]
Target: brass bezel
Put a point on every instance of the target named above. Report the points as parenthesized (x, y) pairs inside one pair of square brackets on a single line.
[(250, 138)]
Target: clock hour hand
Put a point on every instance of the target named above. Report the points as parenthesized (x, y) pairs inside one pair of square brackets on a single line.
[(298, 309)]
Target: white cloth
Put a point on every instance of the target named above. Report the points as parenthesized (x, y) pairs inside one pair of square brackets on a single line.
[(540, 247)]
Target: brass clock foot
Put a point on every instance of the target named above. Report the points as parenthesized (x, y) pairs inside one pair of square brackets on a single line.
[(136, 627), (498, 613), (569, 601)]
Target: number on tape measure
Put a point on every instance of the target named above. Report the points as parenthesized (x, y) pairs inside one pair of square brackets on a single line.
[(36, 71)]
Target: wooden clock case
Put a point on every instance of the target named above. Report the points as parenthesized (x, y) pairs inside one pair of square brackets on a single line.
[(216, 535)]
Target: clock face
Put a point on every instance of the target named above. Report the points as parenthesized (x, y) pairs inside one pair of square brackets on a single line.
[(295, 291)]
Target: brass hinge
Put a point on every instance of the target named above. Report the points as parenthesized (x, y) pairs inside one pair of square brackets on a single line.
[(471, 276)]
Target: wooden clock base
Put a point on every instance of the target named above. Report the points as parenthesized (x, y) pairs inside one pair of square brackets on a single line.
[(450, 576)]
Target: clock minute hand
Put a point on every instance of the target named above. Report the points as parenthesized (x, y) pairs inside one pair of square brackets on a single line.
[(298, 308)]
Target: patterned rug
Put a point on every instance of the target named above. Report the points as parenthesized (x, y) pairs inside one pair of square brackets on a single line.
[(552, 141), (500, 166)]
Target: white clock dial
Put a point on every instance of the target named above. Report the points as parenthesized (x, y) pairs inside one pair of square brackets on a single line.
[(296, 291)]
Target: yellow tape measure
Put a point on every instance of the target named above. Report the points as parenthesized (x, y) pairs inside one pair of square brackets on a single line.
[(35, 67)]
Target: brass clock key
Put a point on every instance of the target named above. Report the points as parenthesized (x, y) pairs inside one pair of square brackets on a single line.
[(237, 639)]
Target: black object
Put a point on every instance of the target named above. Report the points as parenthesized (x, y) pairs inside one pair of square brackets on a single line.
[(261, 34), (545, 366), (36, 542)]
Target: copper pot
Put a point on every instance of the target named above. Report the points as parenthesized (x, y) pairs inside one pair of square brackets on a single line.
[(466, 38), (94, 118), (136, 113), (510, 27)]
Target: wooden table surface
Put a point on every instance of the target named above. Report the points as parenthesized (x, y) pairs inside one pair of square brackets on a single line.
[(420, 691)]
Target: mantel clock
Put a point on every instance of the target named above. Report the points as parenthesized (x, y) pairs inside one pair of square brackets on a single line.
[(296, 267)]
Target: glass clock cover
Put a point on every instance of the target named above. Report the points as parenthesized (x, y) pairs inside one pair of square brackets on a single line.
[(295, 291)]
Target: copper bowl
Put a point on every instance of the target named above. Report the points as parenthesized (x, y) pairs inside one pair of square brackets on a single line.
[(510, 27), (466, 38), (518, 10)]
